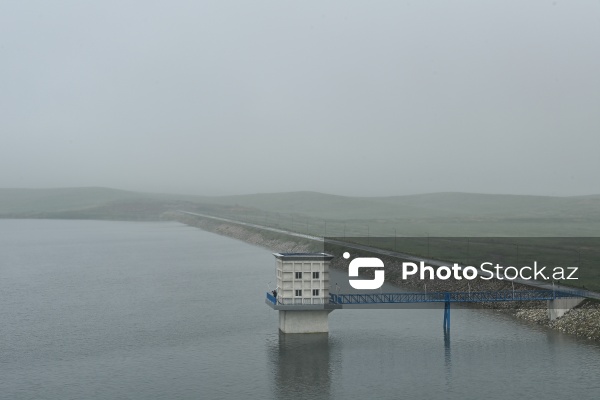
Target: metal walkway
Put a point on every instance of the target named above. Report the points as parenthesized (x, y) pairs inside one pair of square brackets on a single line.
[(453, 297), (337, 301)]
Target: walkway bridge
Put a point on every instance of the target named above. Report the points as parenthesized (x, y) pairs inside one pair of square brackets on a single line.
[(339, 301)]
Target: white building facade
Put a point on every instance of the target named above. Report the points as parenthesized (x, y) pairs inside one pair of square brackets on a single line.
[(302, 278)]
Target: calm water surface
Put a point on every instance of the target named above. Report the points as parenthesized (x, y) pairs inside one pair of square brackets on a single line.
[(118, 310)]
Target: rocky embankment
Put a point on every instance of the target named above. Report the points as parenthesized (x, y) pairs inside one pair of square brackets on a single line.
[(273, 242), (582, 321)]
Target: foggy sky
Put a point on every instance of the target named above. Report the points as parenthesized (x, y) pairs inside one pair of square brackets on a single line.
[(347, 97)]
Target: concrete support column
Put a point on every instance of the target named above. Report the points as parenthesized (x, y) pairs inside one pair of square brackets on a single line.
[(305, 321), (559, 307)]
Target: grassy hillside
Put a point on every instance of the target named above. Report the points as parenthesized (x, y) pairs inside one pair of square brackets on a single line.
[(417, 206), (86, 203), (437, 214), (22, 201)]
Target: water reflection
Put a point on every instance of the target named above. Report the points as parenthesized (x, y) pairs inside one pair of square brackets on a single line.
[(447, 354), (447, 360), (301, 366)]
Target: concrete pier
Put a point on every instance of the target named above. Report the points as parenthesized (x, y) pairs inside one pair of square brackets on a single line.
[(559, 307), (304, 321)]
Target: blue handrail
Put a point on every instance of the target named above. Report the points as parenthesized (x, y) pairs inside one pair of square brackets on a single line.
[(453, 297), (271, 298)]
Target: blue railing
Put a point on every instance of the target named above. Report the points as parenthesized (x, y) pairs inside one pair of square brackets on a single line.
[(340, 300), (434, 297), (296, 301), (453, 297)]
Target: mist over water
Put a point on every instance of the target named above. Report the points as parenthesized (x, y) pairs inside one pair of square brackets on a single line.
[(105, 310)]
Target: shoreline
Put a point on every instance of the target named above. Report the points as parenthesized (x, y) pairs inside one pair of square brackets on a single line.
[(582, 321)]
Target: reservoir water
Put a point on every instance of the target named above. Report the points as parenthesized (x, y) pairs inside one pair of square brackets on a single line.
[(120, 310)]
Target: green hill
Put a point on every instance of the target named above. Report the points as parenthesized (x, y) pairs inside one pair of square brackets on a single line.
[(443, 214), (25, 201)]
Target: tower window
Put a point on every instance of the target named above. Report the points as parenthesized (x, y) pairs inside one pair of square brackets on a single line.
[(315, 292), (315, 275), (298, 293), (298, 275)]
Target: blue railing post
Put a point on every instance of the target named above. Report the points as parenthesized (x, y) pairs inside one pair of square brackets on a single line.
[(447, 312)]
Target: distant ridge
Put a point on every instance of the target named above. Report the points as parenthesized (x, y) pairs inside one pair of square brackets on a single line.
[(449, 204), (99, 202), (18, 201)]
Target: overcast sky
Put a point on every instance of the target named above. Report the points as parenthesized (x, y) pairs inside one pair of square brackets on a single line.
[(346, 97)]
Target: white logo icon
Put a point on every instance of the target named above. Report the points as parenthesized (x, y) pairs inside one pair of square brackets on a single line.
[(365, 262)]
